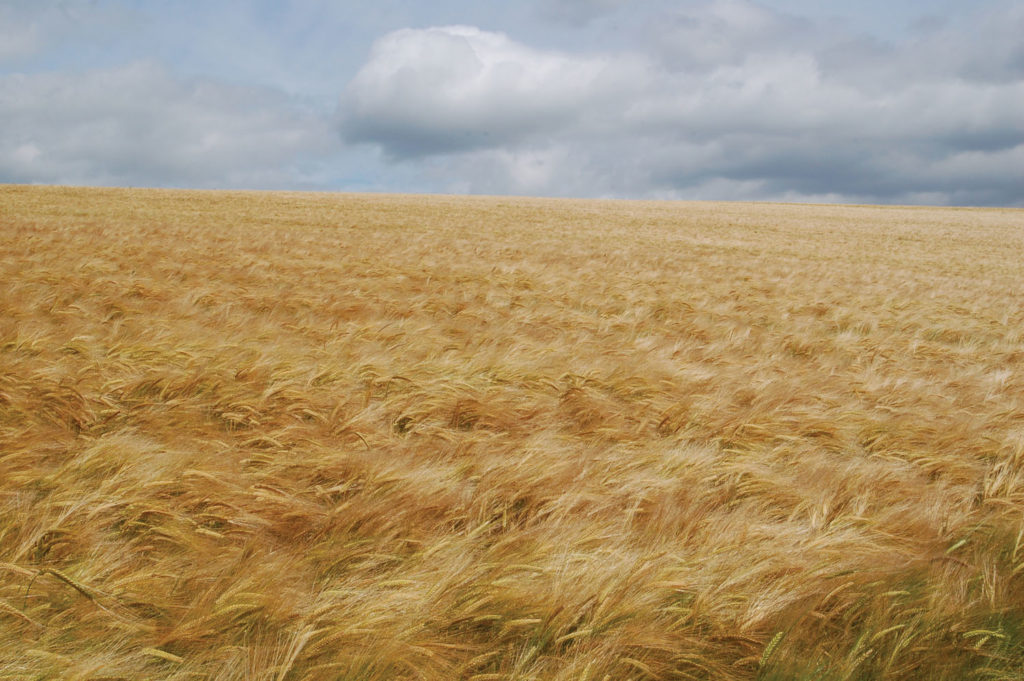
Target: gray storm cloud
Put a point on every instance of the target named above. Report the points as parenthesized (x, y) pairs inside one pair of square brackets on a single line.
[(727, 94)]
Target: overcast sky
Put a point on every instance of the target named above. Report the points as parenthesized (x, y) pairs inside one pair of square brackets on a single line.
[(875, 101)]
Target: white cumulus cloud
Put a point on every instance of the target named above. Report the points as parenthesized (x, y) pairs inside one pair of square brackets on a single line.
[(458, 88)]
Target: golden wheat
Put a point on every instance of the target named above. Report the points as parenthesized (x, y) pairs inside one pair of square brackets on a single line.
[(309, 437)]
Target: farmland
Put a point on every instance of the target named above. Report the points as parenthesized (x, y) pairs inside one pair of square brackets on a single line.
[(270, 436)]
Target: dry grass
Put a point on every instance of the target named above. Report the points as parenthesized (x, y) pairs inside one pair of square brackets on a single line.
[(314, 437)]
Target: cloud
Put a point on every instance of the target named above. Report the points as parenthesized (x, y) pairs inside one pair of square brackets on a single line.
[(711, 35), (458, 88), (139, 124), (654, 98), (727, 98)]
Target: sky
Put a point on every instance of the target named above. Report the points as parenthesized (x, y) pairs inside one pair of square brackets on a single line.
[(891, 102)]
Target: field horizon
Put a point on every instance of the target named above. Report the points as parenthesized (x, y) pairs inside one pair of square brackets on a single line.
[(369, 194), (314, 436)]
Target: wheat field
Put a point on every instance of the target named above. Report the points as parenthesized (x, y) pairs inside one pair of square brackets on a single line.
[(283, 436)]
